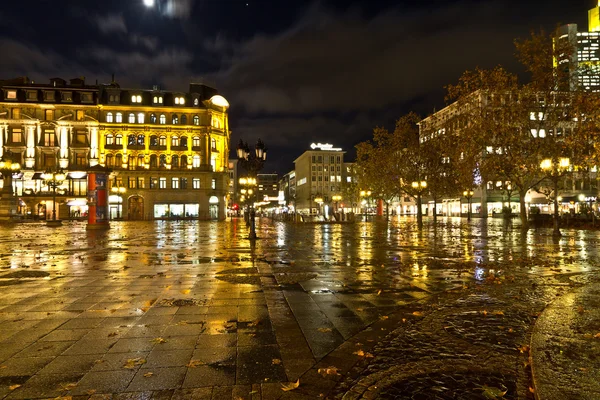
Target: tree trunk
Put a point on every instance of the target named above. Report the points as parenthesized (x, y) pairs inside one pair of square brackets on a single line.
[(523, 210), (419, 212), (556, 231)]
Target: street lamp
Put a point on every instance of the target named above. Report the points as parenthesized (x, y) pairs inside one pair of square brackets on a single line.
[(419, 187), (365, 194), (119, 191), (252, 162), (469, 195), (555, 170), (53, 180), (8, 203)]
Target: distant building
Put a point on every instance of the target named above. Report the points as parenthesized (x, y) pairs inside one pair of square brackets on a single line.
[(167, 151), (319, 175), (583, 65)]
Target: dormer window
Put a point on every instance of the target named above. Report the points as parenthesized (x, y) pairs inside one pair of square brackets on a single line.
[(136, 98), (86, 97), (31, 95), (180, 100), (195, 101), (49, 95), (157, 100), (67, 96), (11, 95)]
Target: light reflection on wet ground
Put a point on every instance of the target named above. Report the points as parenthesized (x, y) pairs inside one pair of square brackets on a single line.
[(311, 285)]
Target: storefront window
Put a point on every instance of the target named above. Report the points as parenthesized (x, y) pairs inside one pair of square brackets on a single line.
[(192, 210), (161, 211), (176, 210)]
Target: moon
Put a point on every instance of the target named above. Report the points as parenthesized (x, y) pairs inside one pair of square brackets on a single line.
[(149, 3)]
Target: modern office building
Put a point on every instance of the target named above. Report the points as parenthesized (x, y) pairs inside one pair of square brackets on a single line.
[(583, 65), (166, 151)]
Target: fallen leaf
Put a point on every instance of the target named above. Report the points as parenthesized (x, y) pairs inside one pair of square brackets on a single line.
[(490, 392), (13, 387), (194, 363), (286, 387), (484, 312), (158, 340), (328, 371), (324, 330), (532, 390), (69, 386), (498, 312), (276, 361), (379, 292), (417, 313), (383, 317), (186, 291), (133, 362), (597, 335), (148, 374), (524, 349), (403, 319)]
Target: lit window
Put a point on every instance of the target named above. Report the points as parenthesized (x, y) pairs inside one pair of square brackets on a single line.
[(174, 141), (163, 119), (140, 118), (196, 141), (153, 118), (162, 183), (162, 141), (213, 183), (196, 183), (213, 143), (196, 120), (119, 118), (136, 99), (119, 140), (160, 99), (181, 100), (195, 102), (196, 162), (174, 183), (175, 119), (110, 140), (155, 100), (131, 118), (11, 94), (109, 117)]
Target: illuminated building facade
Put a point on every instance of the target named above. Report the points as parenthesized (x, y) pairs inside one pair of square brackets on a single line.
[(167, 151), (583, 64), (319, 174)]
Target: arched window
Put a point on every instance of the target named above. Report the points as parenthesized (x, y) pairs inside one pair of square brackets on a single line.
[(109, 117), (174, 141), (152, 118), (196, 141), (109, 160), (162, 141), (132, 162), (153, 159), (141, 161), (110, 139), (183, 141), (184, 120), (140, 118), (196, 162), (131, 118), (196, 120), (153, 140), (175, 161), (163, 119), (140, 140), (119, 140), (131, 140), (162, 161), (184, 161), (119, 118), (175, 119), (196, 102), (213, 143), (118, 160)]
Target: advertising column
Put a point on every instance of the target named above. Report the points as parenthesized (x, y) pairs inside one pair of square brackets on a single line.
[(97, 200)]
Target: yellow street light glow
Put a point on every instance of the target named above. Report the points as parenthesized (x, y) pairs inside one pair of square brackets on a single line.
[(243, 181), (546, 164)]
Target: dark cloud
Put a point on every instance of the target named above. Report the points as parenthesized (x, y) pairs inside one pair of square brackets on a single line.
[(112, 23)]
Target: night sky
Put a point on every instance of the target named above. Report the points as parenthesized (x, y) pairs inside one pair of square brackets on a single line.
[(294, 72)]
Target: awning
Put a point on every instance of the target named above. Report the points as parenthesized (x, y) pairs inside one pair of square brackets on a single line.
[(77, 202)]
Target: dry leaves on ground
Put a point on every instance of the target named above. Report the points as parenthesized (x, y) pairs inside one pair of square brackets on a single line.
[(524, 349), (328, 371), (276, 361), (323, 330), (490, 392), (13, 387), (597, 335), (133, 362), (195, 363), (148, 374), (362, 353), (68, 386), (158, 340), (417, 313), (286, 387)]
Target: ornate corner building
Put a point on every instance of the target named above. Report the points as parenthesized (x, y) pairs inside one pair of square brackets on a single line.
[(167, 151)]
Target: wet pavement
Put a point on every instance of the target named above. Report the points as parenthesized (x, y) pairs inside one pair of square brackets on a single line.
[(366, 310)]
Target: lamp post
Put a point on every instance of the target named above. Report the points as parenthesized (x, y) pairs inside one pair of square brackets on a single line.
[(555, 170), (469, 195), (247, 191), (252, 162), (319, 201), (419, 187), (365, 194), (8, 202), (119, 191), (53, 180)]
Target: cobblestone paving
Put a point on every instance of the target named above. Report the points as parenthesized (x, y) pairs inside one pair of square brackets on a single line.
[(192, 310)]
